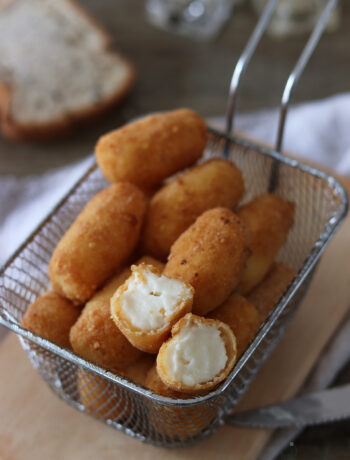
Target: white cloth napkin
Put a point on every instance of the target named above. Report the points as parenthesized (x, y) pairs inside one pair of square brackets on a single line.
[(318, 131), (26, 201)]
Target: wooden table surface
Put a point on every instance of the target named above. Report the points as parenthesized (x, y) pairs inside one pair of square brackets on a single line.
[(175, 71)]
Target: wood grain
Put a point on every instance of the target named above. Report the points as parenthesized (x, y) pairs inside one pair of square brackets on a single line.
[(35, 424)]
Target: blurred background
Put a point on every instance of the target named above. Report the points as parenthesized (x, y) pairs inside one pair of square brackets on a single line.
[(175, 70)]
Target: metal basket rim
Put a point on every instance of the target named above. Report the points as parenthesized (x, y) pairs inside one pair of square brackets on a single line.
[(308, 265)]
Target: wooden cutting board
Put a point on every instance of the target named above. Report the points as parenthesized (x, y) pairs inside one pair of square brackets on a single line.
[(35, 424)]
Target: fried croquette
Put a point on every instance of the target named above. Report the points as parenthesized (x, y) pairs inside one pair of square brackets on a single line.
[(51, 316), (99, 241), (199, 355), (183, 423), (177, 204), (242, 317), (269, 219), (148, 260), (154, 383), (96, 338), (137, 372), (265, 296), (147, 305), (210, 255), (100, 397), (149, 150)]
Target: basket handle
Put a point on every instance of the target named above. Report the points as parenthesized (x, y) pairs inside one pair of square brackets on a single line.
[(242, 64), (293, 80), (300, 66)]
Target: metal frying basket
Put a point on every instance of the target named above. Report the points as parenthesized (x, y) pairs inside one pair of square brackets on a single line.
[(321, 204)]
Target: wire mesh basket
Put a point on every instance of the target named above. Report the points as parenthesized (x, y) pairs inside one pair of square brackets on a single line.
[(321, 204)]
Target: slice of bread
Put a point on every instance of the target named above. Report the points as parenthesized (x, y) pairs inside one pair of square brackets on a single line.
[(56, 69)]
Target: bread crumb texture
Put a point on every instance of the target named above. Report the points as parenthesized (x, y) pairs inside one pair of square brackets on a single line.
[(55, 63)]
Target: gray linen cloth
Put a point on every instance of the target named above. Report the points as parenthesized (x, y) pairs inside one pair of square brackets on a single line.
[(318, 131)]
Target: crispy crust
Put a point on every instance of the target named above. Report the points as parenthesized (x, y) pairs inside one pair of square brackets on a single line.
[(154, 383), (98, 243), (269, 219), (96, 394), (210, 255), (230, 346), (149, 341), (69, 123), (137, 372), (182, 423), (51, 316), (270, 290), (153, 148), (148, 260), (242, 317), (178, 203), (96, 338)]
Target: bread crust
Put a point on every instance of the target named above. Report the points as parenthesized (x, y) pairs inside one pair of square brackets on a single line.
[(37, 132), (67, 125)]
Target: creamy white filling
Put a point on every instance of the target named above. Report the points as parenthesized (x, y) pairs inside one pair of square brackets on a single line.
[(150, 299), (196, 354)]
